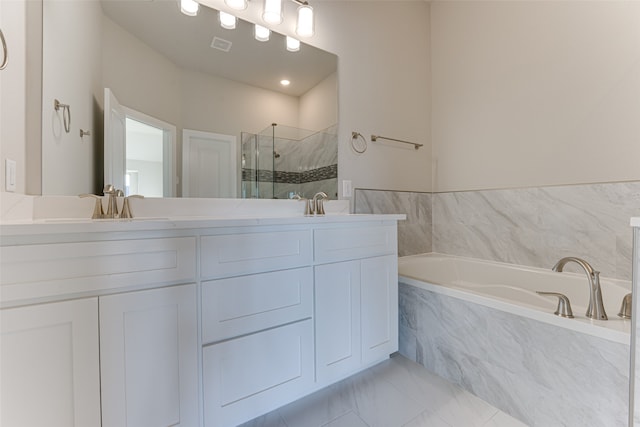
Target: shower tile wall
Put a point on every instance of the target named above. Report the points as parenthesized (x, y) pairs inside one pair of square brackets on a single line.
[(414, 234), (538, 226)]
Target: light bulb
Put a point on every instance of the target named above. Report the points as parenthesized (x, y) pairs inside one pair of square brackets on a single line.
[(261, 33), (285, 82), (236, 4), (227, 20), (293, 45), (305, 25), (189, 7), (272, 12)]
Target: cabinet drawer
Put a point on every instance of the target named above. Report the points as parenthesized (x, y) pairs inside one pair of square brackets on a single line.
[(338, 244), (50, 270), (235, 254), (249, 376), (241, 305)]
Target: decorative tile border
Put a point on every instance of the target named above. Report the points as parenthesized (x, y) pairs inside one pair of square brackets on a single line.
[(284, 177)]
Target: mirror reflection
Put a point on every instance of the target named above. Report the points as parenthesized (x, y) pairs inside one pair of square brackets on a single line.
[(198, 87)]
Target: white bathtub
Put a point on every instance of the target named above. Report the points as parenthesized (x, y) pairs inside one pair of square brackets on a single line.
[(512, 288)]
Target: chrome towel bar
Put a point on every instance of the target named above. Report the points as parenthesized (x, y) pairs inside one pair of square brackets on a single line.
[(374, 138)]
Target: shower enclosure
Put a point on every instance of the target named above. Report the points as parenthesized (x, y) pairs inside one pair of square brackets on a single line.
[(282, 161)]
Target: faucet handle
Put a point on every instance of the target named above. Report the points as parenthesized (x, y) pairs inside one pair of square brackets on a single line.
[(625, 309), (98, 212), (126, 206), (564, 306)]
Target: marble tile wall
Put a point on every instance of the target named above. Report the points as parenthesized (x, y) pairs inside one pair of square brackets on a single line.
[(538, 226), (541, 374), (414, 234), (532, 226)]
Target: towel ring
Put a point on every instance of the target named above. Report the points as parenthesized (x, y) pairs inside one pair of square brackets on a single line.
[(5, 51), (355, 142), (66, 114)]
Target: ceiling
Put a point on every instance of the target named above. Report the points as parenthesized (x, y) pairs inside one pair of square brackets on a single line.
[(186, 42)]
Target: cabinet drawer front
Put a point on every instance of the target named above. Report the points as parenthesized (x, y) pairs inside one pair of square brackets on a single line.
[(337, 244), (241, 305), (235, 254), (49, 270), (252, 375)]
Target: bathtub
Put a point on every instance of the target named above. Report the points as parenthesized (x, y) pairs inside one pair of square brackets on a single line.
[(481, 325), (512, 288)]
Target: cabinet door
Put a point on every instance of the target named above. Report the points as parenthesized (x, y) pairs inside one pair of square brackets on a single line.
[(379, 308), (149, 359), (337, 290), (50, 366)]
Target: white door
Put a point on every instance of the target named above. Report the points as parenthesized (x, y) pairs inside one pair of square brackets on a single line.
[(49, 370), (149, 358), (337, 302), (208, 164), (115, 141)]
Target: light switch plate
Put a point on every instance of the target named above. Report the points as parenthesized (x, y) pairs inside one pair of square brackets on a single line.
[(347, 189), (10, 175)]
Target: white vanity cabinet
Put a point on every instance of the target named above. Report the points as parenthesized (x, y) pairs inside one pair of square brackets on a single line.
[(356, 302), (149, 358), (49, 364), (197, 323)]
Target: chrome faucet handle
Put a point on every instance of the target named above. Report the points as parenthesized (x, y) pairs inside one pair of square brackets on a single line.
[(318, 199), (112, 203), (98, 212), (126, 206), (625, 309), (564, 306)]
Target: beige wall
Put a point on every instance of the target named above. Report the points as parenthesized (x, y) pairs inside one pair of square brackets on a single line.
[(318, 108), (535, 93)]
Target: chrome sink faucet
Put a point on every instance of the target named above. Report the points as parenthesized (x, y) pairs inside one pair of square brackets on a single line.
[(595, 310)]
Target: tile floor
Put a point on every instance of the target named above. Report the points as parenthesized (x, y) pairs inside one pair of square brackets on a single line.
[(395, 393)]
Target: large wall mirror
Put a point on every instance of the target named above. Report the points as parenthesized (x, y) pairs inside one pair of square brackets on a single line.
[(202, 108)]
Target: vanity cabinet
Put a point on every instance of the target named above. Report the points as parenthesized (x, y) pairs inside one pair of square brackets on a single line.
[(205, 325), (149, 358), (49, 363)]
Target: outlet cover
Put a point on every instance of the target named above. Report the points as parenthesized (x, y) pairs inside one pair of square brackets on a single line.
[(347, 189)]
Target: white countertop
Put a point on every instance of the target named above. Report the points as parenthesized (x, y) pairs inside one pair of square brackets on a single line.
[(635, 222)]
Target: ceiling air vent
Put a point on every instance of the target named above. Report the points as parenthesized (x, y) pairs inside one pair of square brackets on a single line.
[(221, 44)]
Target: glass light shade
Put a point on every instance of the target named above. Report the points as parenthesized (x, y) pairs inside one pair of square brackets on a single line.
[(293, 45), (236, 4), (305, 26), (261, 33), (227, 20), (189, 7), (272, 12)]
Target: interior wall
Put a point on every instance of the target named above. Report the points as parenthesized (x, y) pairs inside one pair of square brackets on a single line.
[(384, 74), (71, 74), (534, 93), (318, 108)]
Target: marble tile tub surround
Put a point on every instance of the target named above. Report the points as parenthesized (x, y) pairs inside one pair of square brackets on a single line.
[(541, 374), (530, 226), (414, 234)]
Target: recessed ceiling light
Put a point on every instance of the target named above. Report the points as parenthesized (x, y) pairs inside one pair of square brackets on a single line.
[(285, 82)]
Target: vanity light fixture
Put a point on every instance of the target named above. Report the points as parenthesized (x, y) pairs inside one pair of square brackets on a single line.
[(272, 12), (236, 4), (227, 20), (305, 26), (261, 33), (293, 45), (189, 7)]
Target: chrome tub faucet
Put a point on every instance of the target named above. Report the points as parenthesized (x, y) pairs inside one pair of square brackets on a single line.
[(595, 310)]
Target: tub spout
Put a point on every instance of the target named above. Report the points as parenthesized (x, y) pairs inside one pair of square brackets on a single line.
[(595, 310)]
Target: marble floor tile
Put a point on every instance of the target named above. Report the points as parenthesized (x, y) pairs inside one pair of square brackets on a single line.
[(395, 393)]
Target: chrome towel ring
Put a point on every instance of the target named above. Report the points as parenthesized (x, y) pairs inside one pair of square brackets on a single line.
[(5, 52), (66, 114)]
